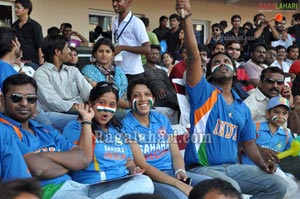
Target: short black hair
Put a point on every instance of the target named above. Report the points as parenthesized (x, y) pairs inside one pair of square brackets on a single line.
[(157, 47), (7, 36), (52, 43), (291, 47), (236, 16), (53, 30), (280, 47), (14, 188), (255, 45), (296, 16), (162, 18), (272, 48), (146, 21), (65, 25), (26, 4), (223, 187), (248, 23), (135, 82), (17, 80), (257, 15), (203, 48), (271, 69), (174, 16)]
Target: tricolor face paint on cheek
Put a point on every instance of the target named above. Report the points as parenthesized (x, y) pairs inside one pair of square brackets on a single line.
[(275, 118), (135, 102), (217, 67), (106, 109)]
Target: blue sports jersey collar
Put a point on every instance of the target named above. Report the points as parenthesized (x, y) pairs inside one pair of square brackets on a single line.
[(236, 97), (32, 123), (135, 122), (265, 127)]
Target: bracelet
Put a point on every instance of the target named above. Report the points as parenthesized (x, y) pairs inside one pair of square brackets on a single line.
[(187, 16), (86, 122), (178, 171)]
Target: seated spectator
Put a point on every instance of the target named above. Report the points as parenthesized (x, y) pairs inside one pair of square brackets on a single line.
[(292, 55), (273, 137), (21, 189), (114, 158), (12, 163), (73, 58), (218, 47), (159, 82), (233, 49), (280, 59), (154, 145), (20, 67), (271, 55), (66, 30), (214, 189), (104, 70), (168, 61), (61, 87), (255, 65), (216, 36), (53, 30), (48, 155)]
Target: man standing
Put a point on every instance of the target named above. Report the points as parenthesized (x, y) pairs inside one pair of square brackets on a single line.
[(29, 33), (237, 32), (162, 30), (131, 40), (219, 121), (61, 87), (172, 37)]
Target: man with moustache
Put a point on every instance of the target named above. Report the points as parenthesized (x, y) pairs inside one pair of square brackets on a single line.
[(255, 65)]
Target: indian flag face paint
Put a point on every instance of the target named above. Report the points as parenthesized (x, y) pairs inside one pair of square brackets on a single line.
[(135, 102), (274, 118), (106, 108), (217, 67)]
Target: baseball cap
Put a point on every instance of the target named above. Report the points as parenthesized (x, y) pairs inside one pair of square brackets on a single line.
[(277, 101)]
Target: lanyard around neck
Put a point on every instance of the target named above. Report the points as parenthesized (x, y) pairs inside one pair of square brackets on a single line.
[(117, 36)]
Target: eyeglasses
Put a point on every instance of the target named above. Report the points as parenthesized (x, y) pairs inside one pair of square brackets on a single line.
[(215, 30), (236, 49), (16, 98), (272, 81), (19, 8), (107, 84)]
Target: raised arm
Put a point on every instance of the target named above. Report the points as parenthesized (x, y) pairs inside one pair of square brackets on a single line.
[(193, 60)]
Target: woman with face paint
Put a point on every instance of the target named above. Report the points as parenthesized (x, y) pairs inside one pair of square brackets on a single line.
[(112, 154), (154, 145), (272, 135)]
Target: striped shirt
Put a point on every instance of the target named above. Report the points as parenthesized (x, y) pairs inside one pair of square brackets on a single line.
[(59, 90)]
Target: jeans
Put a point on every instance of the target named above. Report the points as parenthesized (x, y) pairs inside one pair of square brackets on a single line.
[(171, 192), (56, 119), (105, 190), (248, 179)]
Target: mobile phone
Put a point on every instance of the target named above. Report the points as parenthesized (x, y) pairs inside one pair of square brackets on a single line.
[(188, 181)]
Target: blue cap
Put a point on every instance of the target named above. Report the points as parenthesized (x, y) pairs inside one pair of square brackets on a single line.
[(278, 101)]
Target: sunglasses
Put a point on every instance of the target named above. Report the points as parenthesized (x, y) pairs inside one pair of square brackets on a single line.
[(215, 30), (232, 49), (107, 84), (16, 98), (272, 81)]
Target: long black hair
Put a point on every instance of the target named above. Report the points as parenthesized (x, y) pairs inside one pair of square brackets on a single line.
[(100, 89)]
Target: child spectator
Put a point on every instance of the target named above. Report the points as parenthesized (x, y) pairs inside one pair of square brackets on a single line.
[(273, 137)]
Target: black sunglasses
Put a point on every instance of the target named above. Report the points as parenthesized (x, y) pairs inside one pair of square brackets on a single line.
[(16, 98), (272, 81), (105, 84)]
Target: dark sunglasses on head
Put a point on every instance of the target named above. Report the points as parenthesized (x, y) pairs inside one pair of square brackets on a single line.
[(105, 84), (272, 81), (16, 98)]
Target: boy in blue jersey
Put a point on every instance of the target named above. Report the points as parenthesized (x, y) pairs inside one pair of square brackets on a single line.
[(272, 135), (48, 154), (219, 121)]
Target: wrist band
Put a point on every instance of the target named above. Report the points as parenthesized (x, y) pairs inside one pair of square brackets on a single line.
[(187, 16), (178, 171), (86, 122)]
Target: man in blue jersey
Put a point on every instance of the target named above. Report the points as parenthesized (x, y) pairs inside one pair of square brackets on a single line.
[(48, 154), (219, 121)]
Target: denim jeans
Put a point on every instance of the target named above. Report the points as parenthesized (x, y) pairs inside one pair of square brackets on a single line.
[(105, 190), (248, 179), (171, 192)]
